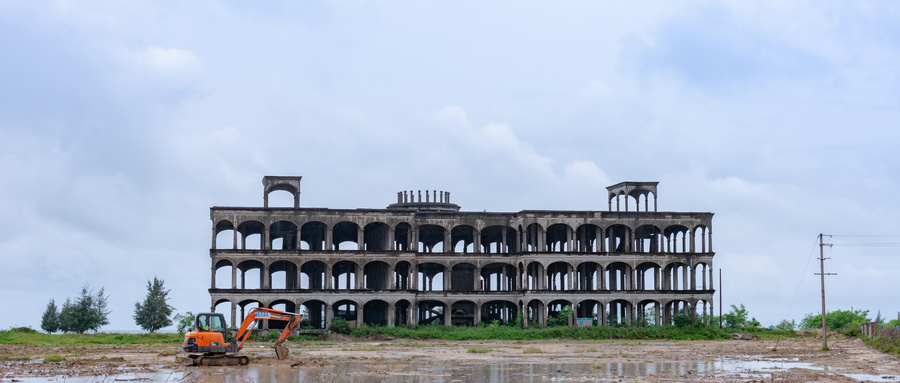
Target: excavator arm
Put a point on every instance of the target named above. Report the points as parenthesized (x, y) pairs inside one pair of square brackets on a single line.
[(261, 313)]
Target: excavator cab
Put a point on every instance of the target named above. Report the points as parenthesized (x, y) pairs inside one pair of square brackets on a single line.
[(211, 322)]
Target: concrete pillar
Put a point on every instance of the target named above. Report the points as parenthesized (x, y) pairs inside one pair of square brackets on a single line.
[(448, 247), (710, 239), (447, 317), (360, 277), (413, 314), (569, 240), (359, 315), (477, 278), (233, 315), (264, 240), (212, 278), (234, 270), (413, 278), (234, 244), (571, 277), (329, 315), (447, 272), (476, 247), (391, 242), (390, 314), (692, 241), (329, 238), (265, 281), (503, 247), (477, 318), (328, 277), (360, 239)]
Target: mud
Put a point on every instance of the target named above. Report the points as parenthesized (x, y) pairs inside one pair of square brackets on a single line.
[(397, 360)]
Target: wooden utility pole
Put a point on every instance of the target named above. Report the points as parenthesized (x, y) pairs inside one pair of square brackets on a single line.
[(822, 274)]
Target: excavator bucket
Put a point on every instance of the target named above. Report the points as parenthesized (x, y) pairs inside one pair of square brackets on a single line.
[(282, 351)]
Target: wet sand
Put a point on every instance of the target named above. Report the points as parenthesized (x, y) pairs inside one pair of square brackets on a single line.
[(349, 359)]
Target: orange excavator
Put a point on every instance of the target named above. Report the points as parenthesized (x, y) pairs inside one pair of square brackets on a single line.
[(207, 344)]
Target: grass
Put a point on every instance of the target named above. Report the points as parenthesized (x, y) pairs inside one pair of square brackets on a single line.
[(15, 336), (54, 358), (479, 350), (533, 350), (563, 332), (885, 344)]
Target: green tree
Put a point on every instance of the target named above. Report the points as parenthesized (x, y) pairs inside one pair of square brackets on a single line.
[(50, 319), (184, 322), (736, 318), (838, 320), (88, 312), (153, 314), (785, 325)]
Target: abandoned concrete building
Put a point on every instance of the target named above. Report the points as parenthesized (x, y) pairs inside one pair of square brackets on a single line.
[(421, 261)]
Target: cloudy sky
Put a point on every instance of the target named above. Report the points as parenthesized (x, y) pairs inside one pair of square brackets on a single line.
[(121, 123)]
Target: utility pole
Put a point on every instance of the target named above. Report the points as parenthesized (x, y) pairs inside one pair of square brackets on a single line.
[(822, 274)]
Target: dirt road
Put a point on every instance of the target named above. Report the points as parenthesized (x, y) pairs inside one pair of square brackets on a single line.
[(750, 360)]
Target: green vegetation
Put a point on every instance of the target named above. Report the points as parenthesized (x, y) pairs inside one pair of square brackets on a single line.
[(53, 358), (340, 326), (184, 322), (88, 312), (844, 321), (50, 319), (533, 350), (737, 319), (25, 335), (153, 314), (479, 350), (562, 332)]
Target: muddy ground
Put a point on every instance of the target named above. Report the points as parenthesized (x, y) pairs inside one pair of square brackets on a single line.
[(392, 360)]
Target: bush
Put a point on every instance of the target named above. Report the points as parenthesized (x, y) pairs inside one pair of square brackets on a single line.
[(838, 320), (340, 326)]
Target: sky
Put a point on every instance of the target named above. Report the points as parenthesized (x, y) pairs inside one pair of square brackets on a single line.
[(122, 123)]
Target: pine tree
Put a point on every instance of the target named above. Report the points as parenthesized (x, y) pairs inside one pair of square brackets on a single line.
[(88, 312), (50, 319), (153, 314)]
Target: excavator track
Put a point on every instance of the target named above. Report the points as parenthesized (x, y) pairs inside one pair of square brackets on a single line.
[(219, 360)]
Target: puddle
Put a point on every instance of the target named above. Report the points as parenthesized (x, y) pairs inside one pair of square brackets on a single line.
[(433, 371)]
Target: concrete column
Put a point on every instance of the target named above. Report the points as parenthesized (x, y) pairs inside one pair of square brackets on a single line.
[(213, 244), (359, 315), (212, 278), (503, 280), (265, 281), (694, 278), (264, 239), (329, 238), (360, 239), (390, 315), (413, 278), (503, 248), (447, 318), (684, 277), (692, 241), (569, 239), (233, 315), (360, 277), (234, 270), (447, 272), (477, 278), (571, 278), (710, 240), (234, 240), (391, 241), (477, 241), (477, 318), (329, 315), (328, 277), (413, 314), (448, 247)]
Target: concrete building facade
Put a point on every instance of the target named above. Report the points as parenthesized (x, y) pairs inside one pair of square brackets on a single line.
[(422, 261)]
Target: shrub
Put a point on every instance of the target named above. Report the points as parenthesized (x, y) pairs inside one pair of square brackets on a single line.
[(340, 326)]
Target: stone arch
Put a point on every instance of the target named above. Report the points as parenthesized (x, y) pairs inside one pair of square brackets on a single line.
[(346, 236), (648, 313), (430, 236), (286, 281), (281, 305), (554, 309), (402, 236), (377, 276), (646, 239), (618, 276), (376, 312), (535, 313), (559, 276), (648, 276), (676, 239), (587, 238), (225, 236), (617, 238), (247, 230), (283, 233), (619, 312), (431, 312), (224, 275), (463, 277), (500, 310), (347, 309), (498, 277), (534, 238), (376, 237), (428, 273), (312, 275), (588, 276), (590, 309), (345, 275), (314, 313), (312, 235), (246, 266), (462, 238), (463, 313), (559, 238)]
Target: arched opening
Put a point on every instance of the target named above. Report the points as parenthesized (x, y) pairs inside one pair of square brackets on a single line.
[(617, 239), (281, 305), (462, 313), (648, 276), (283, 275), (676, 239), (534, 238), (587, 313), (534, 276), (313, 314), (251, 235), (312, 275), (251, 275), (430, 313), (646, 239), (677, 276), (699, 240), (377, 276), (346, 309), (344, 275), (618, 276), (556, 313), (699, 282), (402, 236), (558, 236), (400, 280), (346, 236), (648, 313), (558, 276), (431, 277), (586, 239), (225, 236), (463, 239), (501, 311), (224, 275), (678, 313), (498, 277), (280, 197), (402, 313), (497, 240), (243, 309), (618, 313), (376, 237), (375, 313), (431, 239), (283, 235), (312, 236), (535, 313), (462, 277), (588, 276)]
